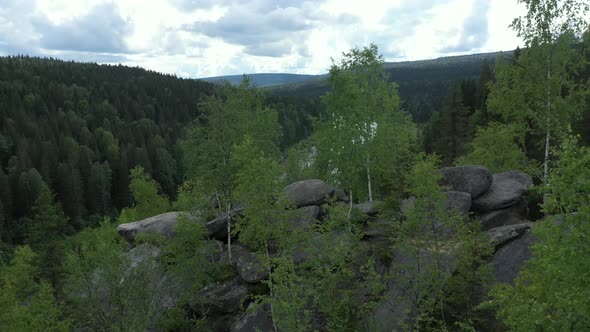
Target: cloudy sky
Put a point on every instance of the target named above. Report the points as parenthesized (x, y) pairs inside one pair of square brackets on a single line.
[(201, 38)]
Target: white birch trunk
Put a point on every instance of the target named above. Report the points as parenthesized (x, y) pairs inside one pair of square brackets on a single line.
[(350, 208), (272, 312), (227, 209), (548, 123), (369, 181)]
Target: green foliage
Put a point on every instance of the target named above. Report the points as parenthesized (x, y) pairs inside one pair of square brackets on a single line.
[(82, 127), (471, 279), (568, 187), (299, 164), (258, 188), (551, 292), (365, 138), (228, 118), (499, 148), (48, 226), (148, 201), (452, 126), (27, 303), (439, 271), (538, 91), (189, 257), (192, 200), (339, 273), (106, 289)]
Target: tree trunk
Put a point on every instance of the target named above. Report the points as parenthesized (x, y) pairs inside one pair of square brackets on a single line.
[(548, 124), (369, 181), (350, 208), (270, 286), (227, 209)]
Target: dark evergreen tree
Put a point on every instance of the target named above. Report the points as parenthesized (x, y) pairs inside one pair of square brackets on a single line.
[(48, 226)]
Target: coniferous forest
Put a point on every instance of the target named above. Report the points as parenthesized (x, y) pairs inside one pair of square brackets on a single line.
[(136, 201)]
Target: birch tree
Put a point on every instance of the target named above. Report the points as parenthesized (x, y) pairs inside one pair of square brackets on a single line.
[(229, 117), (365, 131), (538, 92)]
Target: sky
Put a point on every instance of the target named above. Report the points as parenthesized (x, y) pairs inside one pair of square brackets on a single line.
[(203, 38)]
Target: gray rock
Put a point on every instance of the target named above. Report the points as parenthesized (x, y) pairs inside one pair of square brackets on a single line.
[(508, 261), (456, 200), (508, 216), (305, 216), (219, 298), (217, 228), (500, 235), (142, 254), (213, 250), (312, 192), (256, 319), (316, 246), (395, 311), (474, 180), (506, 190), (250, 268), (161, 224), (369, 208), (407, 204), (459, 201), (237, 250), (380, 228)]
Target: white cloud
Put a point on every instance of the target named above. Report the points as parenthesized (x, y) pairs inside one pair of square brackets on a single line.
[(199, 38)]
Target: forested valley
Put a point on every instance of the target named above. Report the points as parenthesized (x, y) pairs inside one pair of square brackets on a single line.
[(136, 201)]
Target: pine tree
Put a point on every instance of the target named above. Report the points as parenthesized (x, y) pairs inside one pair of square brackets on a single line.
[(46, 233)]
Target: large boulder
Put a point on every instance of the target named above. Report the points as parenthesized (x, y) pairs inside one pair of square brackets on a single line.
[(217, 228), (501, 235), (161, 224), (474, 180), (506, 190), (250, 268), (142, 254), (379, 228), (220, 303), (458, 201), (369, 208), (304, 217), (508, 261), (218, 298), (503, 217), (312, 192), (395, 311), (255, 319)]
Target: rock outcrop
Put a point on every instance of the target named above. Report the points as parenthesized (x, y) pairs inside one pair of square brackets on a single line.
[(312, 192), (498, 202), (217, 228), (501, 235), (369, 208), (250, 268), (161, 224), (509, 259), (474, 180), (255, 319), (458, 201), (508, 216), (506, 190)]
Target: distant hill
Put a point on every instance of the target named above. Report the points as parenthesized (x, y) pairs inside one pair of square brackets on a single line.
[(423, 85), (263, 80)]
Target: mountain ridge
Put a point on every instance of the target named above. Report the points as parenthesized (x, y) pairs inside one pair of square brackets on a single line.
[(291, 80)]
